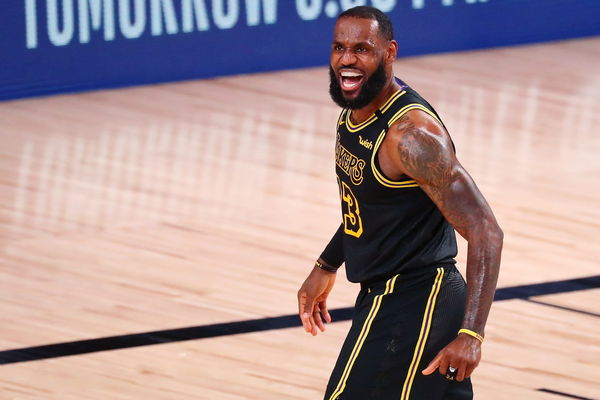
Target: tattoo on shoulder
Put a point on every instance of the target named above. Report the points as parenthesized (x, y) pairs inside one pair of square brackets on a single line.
[(423, 154)]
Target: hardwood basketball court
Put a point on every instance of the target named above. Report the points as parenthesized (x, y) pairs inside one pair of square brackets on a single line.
[(200, 203)]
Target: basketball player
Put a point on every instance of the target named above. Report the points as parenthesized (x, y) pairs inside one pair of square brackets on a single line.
[(417, 327)]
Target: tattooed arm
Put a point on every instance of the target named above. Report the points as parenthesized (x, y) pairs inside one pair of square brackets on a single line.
[(418, 146)]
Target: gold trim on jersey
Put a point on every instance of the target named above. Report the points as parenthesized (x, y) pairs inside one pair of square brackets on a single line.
[(409, 107), (389, 288), (340, 120), (355, 128), (378, 174), (423, 335), (391, 100)]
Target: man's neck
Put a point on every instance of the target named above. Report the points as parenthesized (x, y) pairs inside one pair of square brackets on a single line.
[(362, 114)]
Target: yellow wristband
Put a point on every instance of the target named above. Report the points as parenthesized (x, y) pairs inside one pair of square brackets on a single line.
[(471, 333)]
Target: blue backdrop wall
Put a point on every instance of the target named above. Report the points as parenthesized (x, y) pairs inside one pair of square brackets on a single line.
[(53, 46)]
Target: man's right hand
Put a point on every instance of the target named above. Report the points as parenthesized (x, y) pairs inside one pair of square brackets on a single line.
[(312, 300)]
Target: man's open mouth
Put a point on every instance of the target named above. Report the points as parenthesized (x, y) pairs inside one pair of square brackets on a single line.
[(350, 80)]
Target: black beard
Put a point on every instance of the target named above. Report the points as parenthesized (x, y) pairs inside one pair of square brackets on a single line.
[(371, 88)]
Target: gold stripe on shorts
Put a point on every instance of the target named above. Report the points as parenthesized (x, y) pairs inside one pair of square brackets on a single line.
[(389, 288), (420, 347)]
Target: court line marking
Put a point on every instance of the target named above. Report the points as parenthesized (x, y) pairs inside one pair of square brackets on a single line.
[(543, 303), (571, 396), (256, 325)]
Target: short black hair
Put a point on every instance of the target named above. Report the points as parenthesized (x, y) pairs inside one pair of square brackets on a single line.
[(386, 30)]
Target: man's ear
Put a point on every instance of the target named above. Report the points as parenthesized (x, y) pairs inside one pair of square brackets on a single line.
[(391, 52)]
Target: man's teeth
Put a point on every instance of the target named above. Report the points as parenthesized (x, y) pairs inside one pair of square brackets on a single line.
[(350, 83), (348, 74)]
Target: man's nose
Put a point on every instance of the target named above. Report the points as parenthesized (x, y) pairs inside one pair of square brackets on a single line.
[(348, 58)]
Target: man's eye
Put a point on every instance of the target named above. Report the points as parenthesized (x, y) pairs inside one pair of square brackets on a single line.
[(361, 49), (337, 47)]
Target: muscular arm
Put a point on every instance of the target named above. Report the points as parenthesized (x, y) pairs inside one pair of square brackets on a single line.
[(419, 147)]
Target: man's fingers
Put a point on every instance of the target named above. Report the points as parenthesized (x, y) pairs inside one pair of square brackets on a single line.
[(308, 316), (304, 317), (460, 374), (444, 364), (469, 370), (305, 307), (301, 308), (313, 325), (324, 311), (433, 365), (306, 322), (452, 356), (470, 367), (318, 320)]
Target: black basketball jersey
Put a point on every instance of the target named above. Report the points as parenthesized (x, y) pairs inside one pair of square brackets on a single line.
[(390, 226)]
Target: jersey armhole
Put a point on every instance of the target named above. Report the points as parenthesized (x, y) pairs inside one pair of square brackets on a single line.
[(381, 178), (417, 106), (379, 175)]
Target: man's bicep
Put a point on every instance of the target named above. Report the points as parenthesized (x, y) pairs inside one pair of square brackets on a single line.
[(424, 149)]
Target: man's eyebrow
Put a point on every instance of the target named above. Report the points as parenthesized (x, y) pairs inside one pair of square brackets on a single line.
[(363, 43)]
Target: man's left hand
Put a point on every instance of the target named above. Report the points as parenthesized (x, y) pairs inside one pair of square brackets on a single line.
[(463, 353)]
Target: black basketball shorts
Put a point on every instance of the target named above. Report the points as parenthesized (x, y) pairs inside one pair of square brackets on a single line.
[(398, 327)]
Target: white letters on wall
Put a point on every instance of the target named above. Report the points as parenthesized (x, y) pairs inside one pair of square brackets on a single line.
[(253, 7), (308, 9), (191, 9), (30, 24), (158, 10), (60, 37), (225, 17), (166, 15), (132, 26), (96, 10)]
